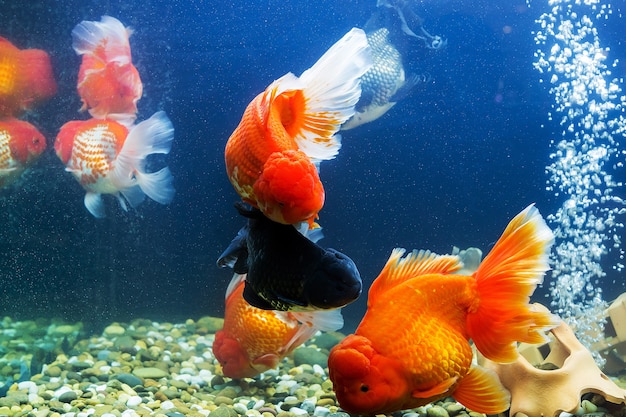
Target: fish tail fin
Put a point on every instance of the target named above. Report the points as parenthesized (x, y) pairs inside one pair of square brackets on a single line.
[(327, 94), (152, 136), (108, 39), (505, 280)]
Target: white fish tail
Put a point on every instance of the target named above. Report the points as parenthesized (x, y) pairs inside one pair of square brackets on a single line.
[(87, 35), (152, 136), (332, 87)]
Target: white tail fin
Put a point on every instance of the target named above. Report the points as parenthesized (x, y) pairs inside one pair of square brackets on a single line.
[(332, 89), (151, 136), (88, 35)]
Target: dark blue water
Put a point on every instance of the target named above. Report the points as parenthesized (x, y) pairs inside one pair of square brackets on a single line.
[(449, 165)]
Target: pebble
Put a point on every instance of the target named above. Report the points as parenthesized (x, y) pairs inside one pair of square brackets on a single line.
[(437, 411), (150, 372), (148, 369)]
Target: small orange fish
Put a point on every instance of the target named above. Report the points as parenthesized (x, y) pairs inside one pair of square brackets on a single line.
[(291, 126), (108, 82), (254, 340), (25, 78), (108, 158), (412, 346), (20, 145)]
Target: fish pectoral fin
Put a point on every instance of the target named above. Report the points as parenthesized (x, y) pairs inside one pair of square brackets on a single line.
[(437, 390), (481, 390), (268, 360)]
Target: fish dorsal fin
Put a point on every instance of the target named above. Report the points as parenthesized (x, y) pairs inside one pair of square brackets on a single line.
[(399, 269)]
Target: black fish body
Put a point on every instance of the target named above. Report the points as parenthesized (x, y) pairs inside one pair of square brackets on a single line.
[(287, 271)]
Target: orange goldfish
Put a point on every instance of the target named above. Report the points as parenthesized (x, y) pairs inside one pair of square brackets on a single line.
[(108, 82), (412, 346), (255, 340), (25, 78), (291, 126), (108, 158), (20, 145)]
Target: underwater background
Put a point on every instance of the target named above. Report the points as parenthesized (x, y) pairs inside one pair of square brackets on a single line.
[(447, 166)]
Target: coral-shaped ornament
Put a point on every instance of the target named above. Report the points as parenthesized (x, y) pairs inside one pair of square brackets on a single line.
[(536, 392)]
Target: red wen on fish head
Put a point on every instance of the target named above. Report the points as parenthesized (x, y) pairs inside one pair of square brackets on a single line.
[(289, 189), (234, 359), (364, 381)]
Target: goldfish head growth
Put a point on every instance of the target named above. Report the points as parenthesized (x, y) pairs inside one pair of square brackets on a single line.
[(365, 381), (289, 189), (233, 357), (25, 78)]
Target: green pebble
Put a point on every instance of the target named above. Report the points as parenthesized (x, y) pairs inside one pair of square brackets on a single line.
[(454, 408), (437, 411), (68, 397), (223, 411), (220, 399), (311, 356), (151, 372), (53, 371)]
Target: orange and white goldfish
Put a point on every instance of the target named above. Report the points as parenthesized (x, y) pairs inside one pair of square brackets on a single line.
[(255, 340), (291, 126), (412, 346), (108, 158), (20, 145), (108, 82), (25, 78)]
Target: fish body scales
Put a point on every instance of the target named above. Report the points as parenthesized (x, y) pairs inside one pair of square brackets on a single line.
[(92, 158), (6, 159)]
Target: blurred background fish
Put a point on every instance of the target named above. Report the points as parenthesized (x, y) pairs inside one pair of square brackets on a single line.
[(292, 125), (412, 346), (255, 340), (107, 158), (108, 82), (393, 31), (25, 78), (287, 271), (20, 146)]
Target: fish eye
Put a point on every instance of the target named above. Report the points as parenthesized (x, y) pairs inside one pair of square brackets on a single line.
[(364, 388)]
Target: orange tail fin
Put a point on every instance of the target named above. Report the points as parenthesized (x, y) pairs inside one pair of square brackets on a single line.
[(506, 279)]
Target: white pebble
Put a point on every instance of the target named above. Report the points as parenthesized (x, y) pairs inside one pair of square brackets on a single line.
[(133, 401), (108, 415), (167, 405), (27, 385), (240, 408), (70, 414), (258, 404), (298, 411), (62, 390), (252, 413), (321, 412), (318, 370), (129, 413)]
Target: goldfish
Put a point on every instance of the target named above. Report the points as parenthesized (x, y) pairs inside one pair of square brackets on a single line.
[(253, 340), (272, 154), (108, 82), (25, 78), (412, 346), (287, 271), (106, 157), (20, 145)]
